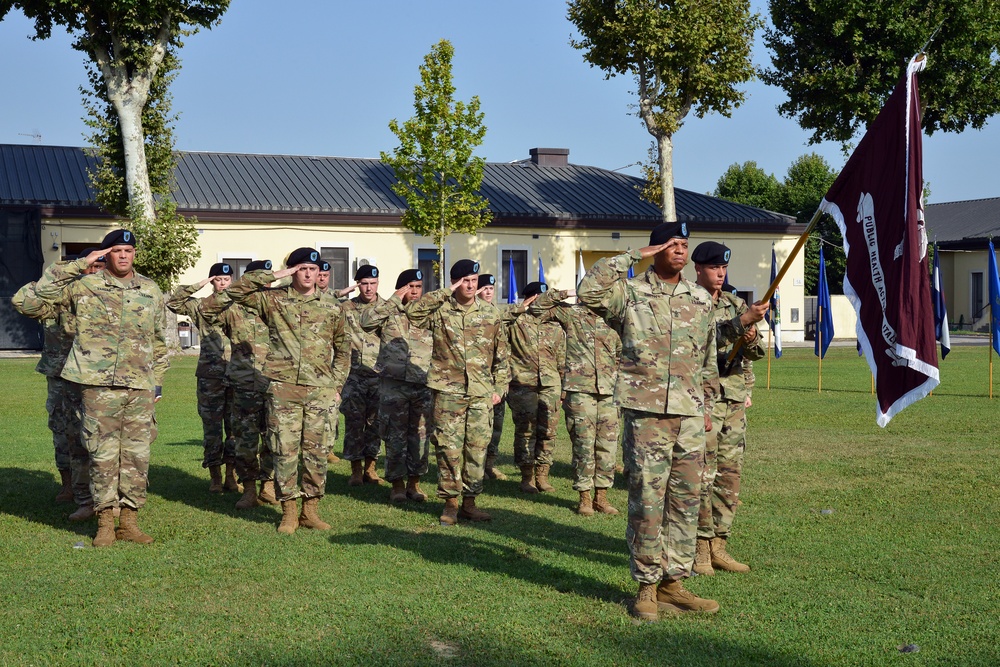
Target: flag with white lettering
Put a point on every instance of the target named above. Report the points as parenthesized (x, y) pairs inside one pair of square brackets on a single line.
[(877, 202)]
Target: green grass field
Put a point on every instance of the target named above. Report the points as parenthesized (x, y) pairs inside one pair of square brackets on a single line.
[(862, 540)]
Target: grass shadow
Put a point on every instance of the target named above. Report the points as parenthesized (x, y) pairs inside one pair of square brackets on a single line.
[(30, 495), (182, 487)]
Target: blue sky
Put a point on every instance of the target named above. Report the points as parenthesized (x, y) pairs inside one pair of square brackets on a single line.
[(324, 77)]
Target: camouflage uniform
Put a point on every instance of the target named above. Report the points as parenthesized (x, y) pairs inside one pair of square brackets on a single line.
[(507, 314), (307, 362), (592, 351), (118, 357), (248, 337), (63, 400), (360, 399), (215, 397), (406, 404), (726, 442), (667, 382), (468, 366)]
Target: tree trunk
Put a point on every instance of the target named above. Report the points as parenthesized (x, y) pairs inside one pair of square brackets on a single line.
[(665, 158), (129, 105)]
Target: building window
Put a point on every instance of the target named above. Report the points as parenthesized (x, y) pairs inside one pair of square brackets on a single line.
[(427, 259), (340, 266), (520, 258), (746, 295), (239, 265), (976, 296)]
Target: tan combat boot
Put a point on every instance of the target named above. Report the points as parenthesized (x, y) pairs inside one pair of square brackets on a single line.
[(586, 505), (371, 475), (398, 493), (673, 596), (721, 560), (491, 471), (105, 528), (266, 494), (332, 458), (413, 491), (65, 494), (289, 520), (601, 503), (230, 483), (215, 486), (644, 607), (542, 479), (249, 498), (470, 512), (449, 517), (528, 479), (83, 513), (128, 527), (357, 473), (703, 557), (310, 515)]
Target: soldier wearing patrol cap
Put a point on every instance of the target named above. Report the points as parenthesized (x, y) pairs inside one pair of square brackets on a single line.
[(468, 375), (118, 358), (360, 400), (215, 396), (726, 441), (667, 385)]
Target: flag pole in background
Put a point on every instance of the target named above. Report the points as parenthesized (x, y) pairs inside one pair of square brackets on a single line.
[(541, 271), (994, 280), (824, 316), (511, 280)]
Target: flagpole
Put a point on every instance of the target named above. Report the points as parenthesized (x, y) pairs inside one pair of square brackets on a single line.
[(991, 356), (769, 358), (819, 337)]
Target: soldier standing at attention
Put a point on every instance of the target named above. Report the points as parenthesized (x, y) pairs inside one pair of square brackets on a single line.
[(307, 363), (360, 400), (118, 358), (468, 375), (214, 394), (249, 339), (487, 292), (667, 385), (726, 443), (537, 357), (406, 404), (592, 351), (323, 286)]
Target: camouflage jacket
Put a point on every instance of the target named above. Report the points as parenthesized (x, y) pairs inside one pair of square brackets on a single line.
[(308, 341), (119, 338), (248, 337), (592, 347), (57, 329), (364, 344), (215, 348), (726, 313), (405, 352), (537, 351), (469, 355), (667, 364)]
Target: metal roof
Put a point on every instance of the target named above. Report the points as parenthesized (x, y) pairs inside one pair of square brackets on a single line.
[(963, 225), (277, 184)]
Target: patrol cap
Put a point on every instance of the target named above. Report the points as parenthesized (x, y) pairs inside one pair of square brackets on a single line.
[(534, 288), (666, 231), (118, 237), (711, 253), (463, 268), (220, 269), (259, 265), (409, 276), (303, 256), (486, 279), (366, 271), (87, 251), (324, 266)]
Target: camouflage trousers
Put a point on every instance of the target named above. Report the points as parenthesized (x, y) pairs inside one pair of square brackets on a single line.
[(534, 411), (214, 401), (664, 462), (62, 419), (254, 458), (460, 434), (118, 426), (724, 448), (592, 422), (360, 407), (405, 413), (499, 414), (296, 424), (79, 457)]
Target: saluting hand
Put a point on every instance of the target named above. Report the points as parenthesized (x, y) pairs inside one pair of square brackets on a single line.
[(284, 273), (454, 285), (651, 250), (401, 292), (95, 255), (530, 300), (347, 290)]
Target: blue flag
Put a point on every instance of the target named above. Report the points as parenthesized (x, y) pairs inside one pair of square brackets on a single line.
[(773, 316), (511, 281), (941, 332), (631, 273), (994, 299), (824, 332), (541, 270)]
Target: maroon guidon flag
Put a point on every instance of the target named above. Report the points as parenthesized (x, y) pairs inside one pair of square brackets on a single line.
[(877, 202)]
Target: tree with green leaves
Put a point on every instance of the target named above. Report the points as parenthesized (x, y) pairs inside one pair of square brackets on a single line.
[(685, 55), (806, 183), (436, 171), (749, 184), (839, 61)]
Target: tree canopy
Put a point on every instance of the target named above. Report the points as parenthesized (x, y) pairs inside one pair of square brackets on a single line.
[(749, 184), (686, 55), (839, 61)]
